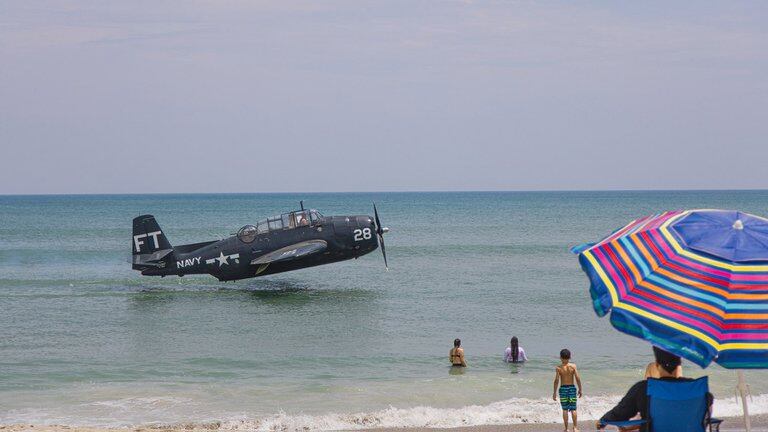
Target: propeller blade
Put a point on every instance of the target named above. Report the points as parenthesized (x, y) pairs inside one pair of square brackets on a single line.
[(383, 251), (380, 234), (379, 230)]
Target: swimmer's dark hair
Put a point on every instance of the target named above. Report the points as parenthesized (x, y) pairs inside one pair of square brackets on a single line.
[(457, 342), (565, 354), (668, 361), (514, 345)]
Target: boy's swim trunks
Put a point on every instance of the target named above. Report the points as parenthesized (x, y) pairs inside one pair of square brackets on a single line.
[(568, 397)]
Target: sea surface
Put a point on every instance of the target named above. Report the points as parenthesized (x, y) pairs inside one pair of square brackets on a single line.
[(84, 340)]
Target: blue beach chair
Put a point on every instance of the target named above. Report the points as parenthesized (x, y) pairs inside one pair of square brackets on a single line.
[(676, 406)]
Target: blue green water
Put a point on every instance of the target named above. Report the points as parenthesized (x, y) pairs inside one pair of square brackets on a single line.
[(86, 340)]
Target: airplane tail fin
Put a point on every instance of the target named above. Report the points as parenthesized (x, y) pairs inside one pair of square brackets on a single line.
[(150, 247)]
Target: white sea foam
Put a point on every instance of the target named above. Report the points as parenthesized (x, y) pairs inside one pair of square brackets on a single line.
[(129, 411), (142, 402), (511, 411)]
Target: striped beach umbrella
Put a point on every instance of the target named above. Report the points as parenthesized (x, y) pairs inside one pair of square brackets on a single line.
[(694, 283)]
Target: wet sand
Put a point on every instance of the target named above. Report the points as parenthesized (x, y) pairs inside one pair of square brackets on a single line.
[(759, 424)]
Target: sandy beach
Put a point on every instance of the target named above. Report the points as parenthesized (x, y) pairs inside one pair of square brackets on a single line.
[(759, 424)]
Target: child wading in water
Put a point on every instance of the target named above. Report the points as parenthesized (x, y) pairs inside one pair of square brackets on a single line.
[(565, 375)]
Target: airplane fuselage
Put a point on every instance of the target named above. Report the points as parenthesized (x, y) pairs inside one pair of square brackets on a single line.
[(336, 238)]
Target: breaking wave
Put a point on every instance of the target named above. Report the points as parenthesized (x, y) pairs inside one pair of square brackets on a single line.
[(510, 411)]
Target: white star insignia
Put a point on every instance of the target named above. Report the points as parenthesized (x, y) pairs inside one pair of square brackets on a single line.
[(222, 259)]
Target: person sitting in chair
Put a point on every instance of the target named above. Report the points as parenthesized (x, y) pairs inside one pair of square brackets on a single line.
[(654, 371), (636, 399)]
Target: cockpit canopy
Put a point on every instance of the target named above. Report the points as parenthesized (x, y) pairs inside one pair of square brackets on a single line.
[(286, 221), (247, 234)]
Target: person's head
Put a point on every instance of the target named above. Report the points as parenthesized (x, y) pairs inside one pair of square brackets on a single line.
[(668, 361), (565, 354), (457, 342), (515, 348)]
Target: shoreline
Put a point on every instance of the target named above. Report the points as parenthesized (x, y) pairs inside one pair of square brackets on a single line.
[(759, 424)]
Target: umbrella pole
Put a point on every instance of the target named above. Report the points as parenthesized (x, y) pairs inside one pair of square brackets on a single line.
[(743, 390)]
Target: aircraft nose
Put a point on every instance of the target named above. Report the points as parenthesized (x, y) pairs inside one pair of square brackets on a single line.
[(370, 222), (365, 222), (367, 226)]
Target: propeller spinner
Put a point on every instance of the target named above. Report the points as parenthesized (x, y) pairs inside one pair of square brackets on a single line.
[(380, 230)]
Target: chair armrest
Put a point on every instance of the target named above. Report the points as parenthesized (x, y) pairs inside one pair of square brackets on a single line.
[(625, 424)]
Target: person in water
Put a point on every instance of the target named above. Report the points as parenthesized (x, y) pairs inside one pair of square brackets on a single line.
[(565, 376), (514, 352), (456, 355), (636, 399)]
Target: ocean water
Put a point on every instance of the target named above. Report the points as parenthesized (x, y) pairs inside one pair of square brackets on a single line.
[(84, 340)]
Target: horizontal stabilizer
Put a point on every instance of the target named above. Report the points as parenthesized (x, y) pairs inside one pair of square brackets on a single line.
[(154, 259), (292, 252)]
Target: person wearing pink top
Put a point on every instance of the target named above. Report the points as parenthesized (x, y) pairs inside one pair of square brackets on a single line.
[(514, 352)]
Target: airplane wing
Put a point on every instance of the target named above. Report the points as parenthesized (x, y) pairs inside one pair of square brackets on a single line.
[(292, 252)]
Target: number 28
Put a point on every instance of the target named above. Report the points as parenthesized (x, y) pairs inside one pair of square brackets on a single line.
[(362, 234)]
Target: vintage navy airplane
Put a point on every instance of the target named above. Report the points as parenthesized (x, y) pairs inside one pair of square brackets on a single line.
[(291, 241)]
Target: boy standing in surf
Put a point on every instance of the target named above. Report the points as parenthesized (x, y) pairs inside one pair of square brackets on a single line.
[(565, 375)]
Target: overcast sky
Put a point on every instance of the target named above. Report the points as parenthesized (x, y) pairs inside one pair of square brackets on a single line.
[(211, 96)]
